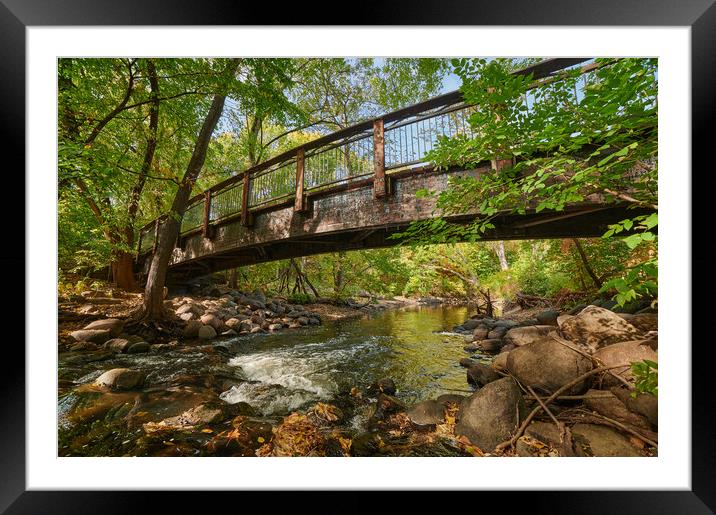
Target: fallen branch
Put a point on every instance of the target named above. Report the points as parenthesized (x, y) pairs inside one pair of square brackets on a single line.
[(549, 400)]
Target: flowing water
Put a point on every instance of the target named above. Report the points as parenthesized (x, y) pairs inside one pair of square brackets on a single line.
[(291, 370)]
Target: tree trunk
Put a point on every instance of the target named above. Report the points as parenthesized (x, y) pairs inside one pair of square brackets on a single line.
[(123, 271), (169, 230), (500, 251), (585, 263), (232, 278)]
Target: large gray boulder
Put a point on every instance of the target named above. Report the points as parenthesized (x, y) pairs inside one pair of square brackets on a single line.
[(500, 362), (595, 327), (490, 415), (519, 336), (624, 353), (113, 325), (547, 366), (120, 379)]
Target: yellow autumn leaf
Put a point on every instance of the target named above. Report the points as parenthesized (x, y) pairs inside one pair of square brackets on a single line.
[(207, 430), (260, 439)]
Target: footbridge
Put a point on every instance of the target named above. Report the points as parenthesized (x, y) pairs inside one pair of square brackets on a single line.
[(353, 189)]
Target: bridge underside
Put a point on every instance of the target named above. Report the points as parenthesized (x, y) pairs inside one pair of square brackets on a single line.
[(350, 218)]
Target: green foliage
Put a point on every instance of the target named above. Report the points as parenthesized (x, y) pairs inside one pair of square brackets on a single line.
[(299, 298), (646, 377)]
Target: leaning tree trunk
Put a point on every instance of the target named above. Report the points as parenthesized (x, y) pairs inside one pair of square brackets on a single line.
[(169, 230), (500, 251)]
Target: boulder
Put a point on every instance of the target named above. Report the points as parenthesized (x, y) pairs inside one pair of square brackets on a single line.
[(138, 347), (275, 327), (528, 321), (472, 347), (595, 327), (597, 440), (234, 323), (384, 385), (470, 325), (468, 362), (500, 362), (113, 325), (547, 365), (545, 432), (606, 403), (386, 405), (548, 317), (480, 375), (645, 322), (480, 332), (91, 335), (185, 308), (191, 330), (624, 353), (497, 333), (427, 413), (257, 329), (117, 345), (492, 345), (644, 404), (561, 319), (490, 415), (229, 332), (450, 398), (302, 320), (186, 316), (520, 336), (509, 324), (207, 332), (212, 320), (120, 379)]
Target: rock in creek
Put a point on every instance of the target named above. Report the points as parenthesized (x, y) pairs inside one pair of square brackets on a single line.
[(98, 336), (117, 345), (595, 327), (191, 330), (427, 413), (480, 332), (120, 379), (644, 404), (207, 332), (520, 336), (384, 385), (548, 365), (113, 325), (138, 347), (500, 362), (492, 414), (480, 375), (492, 345)]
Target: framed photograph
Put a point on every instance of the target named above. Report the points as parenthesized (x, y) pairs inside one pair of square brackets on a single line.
[(252, 264)]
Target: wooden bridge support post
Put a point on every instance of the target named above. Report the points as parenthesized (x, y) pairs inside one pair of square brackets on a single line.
[(245, 215), (300, 202), (205, 229), (380, 183)]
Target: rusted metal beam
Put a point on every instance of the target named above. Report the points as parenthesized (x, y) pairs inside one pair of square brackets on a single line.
[(300, 201), (380, 183)]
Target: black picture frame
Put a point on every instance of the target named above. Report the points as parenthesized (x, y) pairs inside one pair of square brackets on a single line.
[(16, 15)]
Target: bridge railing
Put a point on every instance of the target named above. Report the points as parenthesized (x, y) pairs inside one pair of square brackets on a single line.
[(374, 148)]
